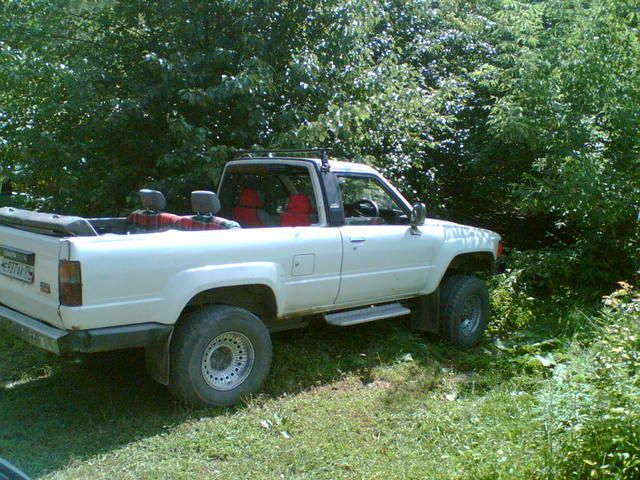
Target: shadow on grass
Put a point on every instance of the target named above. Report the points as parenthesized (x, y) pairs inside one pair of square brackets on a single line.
[(55, 410)]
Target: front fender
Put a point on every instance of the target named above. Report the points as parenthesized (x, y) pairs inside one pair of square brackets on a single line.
[(461, 240)]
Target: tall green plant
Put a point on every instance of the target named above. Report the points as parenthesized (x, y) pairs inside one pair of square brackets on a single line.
[(570, 95)]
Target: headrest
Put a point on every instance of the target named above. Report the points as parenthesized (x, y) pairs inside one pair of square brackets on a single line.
[(298, 203), (152, 200), (249, 198), (203, 201)]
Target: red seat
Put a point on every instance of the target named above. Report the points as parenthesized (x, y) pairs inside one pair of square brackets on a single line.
[(150, 218), (246, 210), (298, 212), (205, 222), (143, 221), (205, 205)]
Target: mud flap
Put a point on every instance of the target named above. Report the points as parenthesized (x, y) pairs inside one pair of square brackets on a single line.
[(157, 361), (425, 313)]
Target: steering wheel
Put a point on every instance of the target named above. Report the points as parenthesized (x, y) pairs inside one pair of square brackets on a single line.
[(371, 204)]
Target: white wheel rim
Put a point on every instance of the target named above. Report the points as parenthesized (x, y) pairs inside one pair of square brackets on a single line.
[(227, 361)]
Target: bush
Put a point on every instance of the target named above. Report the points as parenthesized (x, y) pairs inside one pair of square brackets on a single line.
[(591, 410), (511, 307)]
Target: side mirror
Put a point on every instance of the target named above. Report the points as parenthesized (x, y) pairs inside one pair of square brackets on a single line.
[(418, 214)]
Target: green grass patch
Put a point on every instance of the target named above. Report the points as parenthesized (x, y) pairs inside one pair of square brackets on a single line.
[(371, 401)]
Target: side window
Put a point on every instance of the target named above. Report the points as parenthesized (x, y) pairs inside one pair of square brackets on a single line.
[(366, 202), (269, 196)]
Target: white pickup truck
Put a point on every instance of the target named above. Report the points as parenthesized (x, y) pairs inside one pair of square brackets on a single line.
[(286, 239)]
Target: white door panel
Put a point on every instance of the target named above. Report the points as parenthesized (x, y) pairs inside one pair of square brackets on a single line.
[(383, 261)]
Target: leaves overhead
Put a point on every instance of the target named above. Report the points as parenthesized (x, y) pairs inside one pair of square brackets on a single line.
[(519, 116)]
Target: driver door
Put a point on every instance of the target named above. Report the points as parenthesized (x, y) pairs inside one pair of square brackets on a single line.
[(382, 258)]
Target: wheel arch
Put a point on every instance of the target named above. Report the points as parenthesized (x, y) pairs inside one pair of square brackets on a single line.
[(427, 307), (256, 298), (468, 263)]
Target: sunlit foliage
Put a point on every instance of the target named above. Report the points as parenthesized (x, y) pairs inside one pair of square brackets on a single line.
[(518, 116)]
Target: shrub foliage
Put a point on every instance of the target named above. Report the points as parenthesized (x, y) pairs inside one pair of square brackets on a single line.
[(520, 116), (592, 407)]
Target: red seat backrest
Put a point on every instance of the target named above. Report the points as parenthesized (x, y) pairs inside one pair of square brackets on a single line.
[(298, 212), (143, 221), (246, 210)]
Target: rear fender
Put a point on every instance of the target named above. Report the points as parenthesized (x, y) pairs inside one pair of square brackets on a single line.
[(189, 283)]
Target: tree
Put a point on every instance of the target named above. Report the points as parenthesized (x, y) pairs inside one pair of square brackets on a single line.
[(519, 116), (570, 98)]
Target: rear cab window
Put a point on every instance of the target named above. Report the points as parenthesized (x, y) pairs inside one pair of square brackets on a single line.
[(265, 194)]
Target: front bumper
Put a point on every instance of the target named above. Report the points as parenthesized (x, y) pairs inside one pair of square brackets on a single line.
[(57, 340)]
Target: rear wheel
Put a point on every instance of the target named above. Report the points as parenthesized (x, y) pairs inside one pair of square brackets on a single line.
[(219, 354), (464, 310)]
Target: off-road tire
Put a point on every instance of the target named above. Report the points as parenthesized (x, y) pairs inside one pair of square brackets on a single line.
[(233, 336), (464, 310)]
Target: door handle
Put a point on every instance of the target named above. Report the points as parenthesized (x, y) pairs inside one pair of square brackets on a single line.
[(357, 239)]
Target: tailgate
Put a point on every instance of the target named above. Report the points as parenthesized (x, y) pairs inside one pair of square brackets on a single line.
[(29, 273)]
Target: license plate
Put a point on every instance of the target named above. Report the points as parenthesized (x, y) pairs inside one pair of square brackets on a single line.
[(17, 264)]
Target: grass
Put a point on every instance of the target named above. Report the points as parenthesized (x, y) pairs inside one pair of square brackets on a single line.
[(371, 401), (368, 402)]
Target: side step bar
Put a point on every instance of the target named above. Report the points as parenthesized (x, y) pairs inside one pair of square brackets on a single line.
[(367, 314)]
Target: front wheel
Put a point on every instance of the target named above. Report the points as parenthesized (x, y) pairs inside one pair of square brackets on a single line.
[(464, 310), (219, 354)]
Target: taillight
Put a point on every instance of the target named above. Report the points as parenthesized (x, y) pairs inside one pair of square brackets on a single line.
[(70, 283), (500, 249)]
